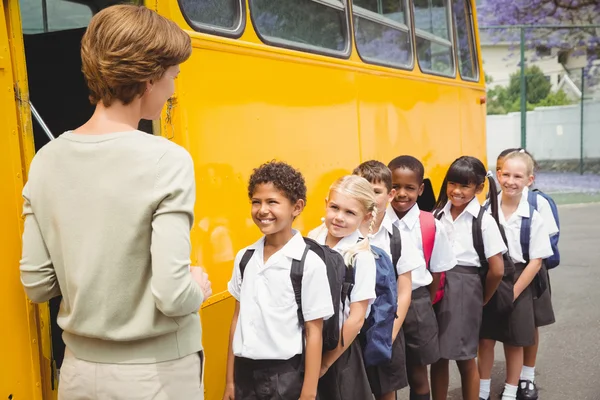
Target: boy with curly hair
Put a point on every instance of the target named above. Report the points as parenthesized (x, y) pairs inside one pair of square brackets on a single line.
[(268, 356)]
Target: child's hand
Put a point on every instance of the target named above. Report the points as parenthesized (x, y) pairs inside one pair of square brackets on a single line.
[(229, 392), (304, 396), (201, 279)]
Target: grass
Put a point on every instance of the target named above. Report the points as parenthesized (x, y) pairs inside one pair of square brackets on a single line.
[(575, 198)]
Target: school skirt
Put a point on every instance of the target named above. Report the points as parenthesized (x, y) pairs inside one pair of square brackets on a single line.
[(518, 327), (421, 330), (459, 314), (542, 303), (346, 379), (390, 377), (268, 379)]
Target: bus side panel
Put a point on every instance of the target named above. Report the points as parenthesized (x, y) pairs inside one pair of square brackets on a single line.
[(410, 116), (236, 109), (20, 368), (472, 121)]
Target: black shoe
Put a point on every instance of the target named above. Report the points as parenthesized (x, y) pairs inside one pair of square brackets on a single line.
[(527, 390), (484, 399)]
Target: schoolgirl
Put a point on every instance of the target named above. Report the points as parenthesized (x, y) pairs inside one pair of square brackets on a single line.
[(459, 312)]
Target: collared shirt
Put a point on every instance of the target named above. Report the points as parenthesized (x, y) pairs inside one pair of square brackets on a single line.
[(460, 234), (539, 240), (543, 207), (442, 256), (267, 326), (365, 270), (410, 258)]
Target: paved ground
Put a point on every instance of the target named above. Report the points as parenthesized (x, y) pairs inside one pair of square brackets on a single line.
[(569, 360)]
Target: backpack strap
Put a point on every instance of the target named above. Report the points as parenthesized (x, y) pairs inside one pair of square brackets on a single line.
[(395, 247), (532, 198), (244, 261), (428, 229), (347, 287), (526, 230), (296, 274), (478, 239)]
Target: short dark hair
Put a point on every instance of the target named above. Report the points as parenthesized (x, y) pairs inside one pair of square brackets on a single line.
[(375, 172), (410, 163), (283, 176)]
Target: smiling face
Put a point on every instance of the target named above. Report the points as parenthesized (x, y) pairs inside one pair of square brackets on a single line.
[(343, 215), (513, 177), (460, 195), (382, 197), (408, 188), (272, 211)]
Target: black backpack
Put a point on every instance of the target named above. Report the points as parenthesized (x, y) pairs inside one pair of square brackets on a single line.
[(503, 300), (341, 281)]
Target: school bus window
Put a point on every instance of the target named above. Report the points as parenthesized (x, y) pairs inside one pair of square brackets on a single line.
[(381, 32), (465, 40), (42, 16), (318, 26), (214, 16), (432, 29)]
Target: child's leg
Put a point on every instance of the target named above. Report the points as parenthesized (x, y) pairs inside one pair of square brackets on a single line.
[(514, 363), (418, 381), (440, 379), (530, 354), (469, 377), (387, 396), (485, 363)]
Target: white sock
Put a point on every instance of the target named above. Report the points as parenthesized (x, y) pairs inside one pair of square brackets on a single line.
[(484, 388), (510, 392), (528, 373)]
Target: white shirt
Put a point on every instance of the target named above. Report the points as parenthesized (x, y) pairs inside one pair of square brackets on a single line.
[(543, 207), (442, 256), (460, 234), (539, 239), (365, 270), (410, 258), (267, 326)]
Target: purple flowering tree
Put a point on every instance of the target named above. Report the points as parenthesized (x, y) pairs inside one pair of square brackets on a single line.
[(546, 12)]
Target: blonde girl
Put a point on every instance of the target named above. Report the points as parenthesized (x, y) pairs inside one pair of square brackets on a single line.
[(350, 203)]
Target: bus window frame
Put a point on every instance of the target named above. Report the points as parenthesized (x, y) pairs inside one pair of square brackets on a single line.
[(214, 29), (380, 19), (472, 44), (436, 39), (307, 48)]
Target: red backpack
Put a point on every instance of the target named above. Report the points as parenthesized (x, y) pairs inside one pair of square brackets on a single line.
[(427, 221)]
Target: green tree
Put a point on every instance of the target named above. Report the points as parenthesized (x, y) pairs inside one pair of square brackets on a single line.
[(538, 87)]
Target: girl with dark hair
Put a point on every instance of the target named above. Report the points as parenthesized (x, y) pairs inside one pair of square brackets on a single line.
[(460, 310)]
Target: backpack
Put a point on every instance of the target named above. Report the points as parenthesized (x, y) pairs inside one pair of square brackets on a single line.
[(503, 299), (379, 325), (341, 281), (539, 284), (427, 221), (554, 260)]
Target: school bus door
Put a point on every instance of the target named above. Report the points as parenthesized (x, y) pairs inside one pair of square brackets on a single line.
[(21, 374)]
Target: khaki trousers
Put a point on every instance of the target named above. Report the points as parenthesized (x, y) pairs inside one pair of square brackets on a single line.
[(180, 379)]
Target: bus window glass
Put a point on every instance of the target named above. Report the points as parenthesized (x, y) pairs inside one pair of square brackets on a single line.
[(313, 25), (381, 32), (434, 45), (213, 15), (41, 16), (465, 40)]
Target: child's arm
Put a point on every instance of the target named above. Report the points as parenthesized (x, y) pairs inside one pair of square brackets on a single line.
[(527, 276), (312, 363), (229, 382), (350, 329), (494, 276), (434, 285), (404, 297)]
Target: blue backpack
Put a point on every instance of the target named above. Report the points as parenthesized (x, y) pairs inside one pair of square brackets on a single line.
[(376, 334), (554, 260)]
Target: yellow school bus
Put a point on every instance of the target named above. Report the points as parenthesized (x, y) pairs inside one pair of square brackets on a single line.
[(321, 84)]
